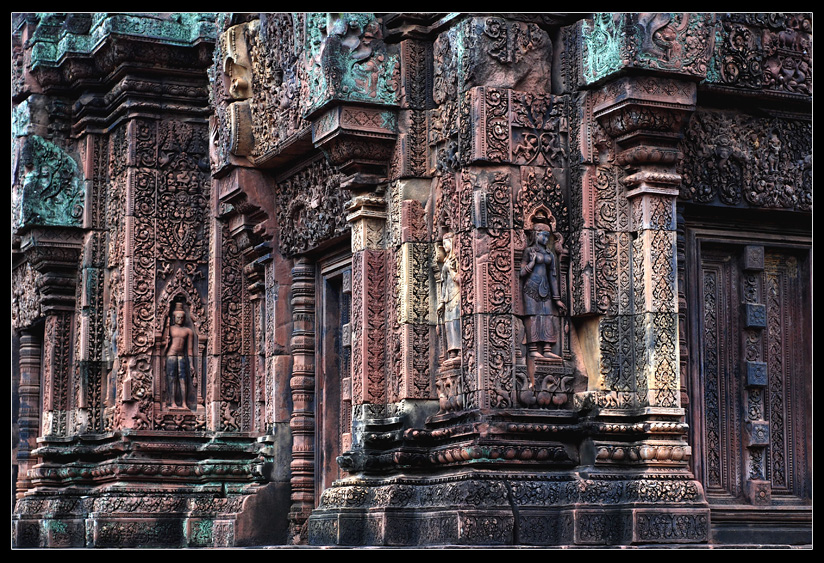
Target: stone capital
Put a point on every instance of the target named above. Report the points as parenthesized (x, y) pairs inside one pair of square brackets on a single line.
[(645, 116)]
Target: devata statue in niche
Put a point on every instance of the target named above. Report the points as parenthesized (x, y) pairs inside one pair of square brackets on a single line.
[(542, 298), (181, 375), (449, 299)]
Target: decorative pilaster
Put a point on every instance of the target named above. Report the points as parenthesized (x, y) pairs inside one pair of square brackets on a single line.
[(637, 121), (645, 117), (54, 253), (369, 299)]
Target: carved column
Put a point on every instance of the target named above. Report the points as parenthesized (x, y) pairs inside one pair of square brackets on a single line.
[(26, 321), (28, 420), (646, 118), (302, 421), (369, 299)]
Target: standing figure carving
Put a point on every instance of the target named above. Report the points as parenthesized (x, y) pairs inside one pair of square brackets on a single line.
[(449, 299), (181, 375), (542, 299)]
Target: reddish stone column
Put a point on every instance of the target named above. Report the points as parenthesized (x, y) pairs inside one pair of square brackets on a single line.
[(28, 421), (302, 422)]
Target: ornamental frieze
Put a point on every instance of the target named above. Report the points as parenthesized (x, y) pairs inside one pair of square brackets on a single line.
[(763, 51)]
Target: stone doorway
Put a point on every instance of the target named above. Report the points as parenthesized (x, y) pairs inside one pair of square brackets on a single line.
[(333, 382), (751, 382)]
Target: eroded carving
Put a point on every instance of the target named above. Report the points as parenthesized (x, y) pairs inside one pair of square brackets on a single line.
[(542, 298), (180, 363), (449, 299)]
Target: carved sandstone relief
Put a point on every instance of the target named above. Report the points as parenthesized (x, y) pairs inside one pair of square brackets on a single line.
[(49, 188), (763, 51), (676, 42), (766, 164)]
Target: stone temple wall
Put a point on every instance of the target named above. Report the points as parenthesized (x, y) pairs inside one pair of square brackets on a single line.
[(413, 279)]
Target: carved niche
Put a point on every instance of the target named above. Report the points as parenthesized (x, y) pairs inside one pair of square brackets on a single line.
[(544, 377)]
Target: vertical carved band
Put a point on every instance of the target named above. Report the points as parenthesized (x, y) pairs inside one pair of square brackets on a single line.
[(56, 363), (369, 319)]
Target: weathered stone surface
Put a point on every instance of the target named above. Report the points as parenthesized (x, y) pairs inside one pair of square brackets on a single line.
[(438, 279)]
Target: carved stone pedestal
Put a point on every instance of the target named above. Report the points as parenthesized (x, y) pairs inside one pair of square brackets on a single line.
[(450, 387), (545, 383)]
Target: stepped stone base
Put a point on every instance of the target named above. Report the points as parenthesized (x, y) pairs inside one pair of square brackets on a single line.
[(550, 509)]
